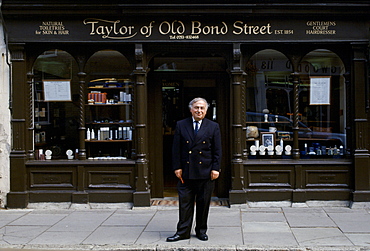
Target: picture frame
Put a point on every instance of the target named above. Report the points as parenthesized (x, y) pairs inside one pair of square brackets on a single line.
[(320, 90), (268, 139), (57, 90)]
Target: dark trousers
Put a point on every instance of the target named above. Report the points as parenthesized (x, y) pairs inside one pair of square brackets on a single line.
[(200, 192)]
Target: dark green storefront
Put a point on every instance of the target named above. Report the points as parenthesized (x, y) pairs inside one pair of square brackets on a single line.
[(287, 82)]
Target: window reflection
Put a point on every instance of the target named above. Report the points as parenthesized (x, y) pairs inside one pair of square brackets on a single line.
[(269, 98), (55, 123)]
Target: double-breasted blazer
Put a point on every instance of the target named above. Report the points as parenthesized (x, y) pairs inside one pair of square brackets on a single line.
[(197, 155)]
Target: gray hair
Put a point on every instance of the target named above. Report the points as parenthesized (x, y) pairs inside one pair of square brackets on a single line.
[(196, 100)]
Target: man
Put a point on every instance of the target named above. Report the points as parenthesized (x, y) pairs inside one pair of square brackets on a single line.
[(196, 162)]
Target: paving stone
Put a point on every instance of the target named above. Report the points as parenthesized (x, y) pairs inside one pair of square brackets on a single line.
[(221, 236), (154, 237), (352, 222), (308, 218), (223, 219), (128, 219), (359, 239), (22, 234), (263, 217), (114, 235), (61, 238), (163, 221), (37, 220), (320, 237), (276, 239), (9, 216), (265, 227)]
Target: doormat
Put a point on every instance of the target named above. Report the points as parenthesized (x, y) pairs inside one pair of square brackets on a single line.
[(173, 202)]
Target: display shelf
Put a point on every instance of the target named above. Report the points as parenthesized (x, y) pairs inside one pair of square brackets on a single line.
[(109, 118), (109, 104), (107, 141)]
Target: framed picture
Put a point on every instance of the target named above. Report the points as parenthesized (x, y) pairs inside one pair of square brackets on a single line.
[(320, 90), (57, 90), (268, 139)]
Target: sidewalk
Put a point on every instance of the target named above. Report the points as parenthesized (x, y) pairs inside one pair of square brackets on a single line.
[(257, 226)]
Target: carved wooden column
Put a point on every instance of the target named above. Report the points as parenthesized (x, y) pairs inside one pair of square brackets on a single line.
[(361, 123), (81, 119), (237, 193), (31, 125), (295, 57), (142, 193), (350, 137), (295, 150), (18, 195)]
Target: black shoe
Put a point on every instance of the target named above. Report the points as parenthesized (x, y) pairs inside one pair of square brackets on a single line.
[(202, 237), (176, 237)]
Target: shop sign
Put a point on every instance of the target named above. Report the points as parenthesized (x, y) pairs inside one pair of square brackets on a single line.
[(113, 29)]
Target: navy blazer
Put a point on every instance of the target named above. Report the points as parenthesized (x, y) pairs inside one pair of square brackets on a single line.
[(196, 155)]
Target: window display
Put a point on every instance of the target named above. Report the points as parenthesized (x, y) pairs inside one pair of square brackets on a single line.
[(109, 101), (270, 106), (55, 115)]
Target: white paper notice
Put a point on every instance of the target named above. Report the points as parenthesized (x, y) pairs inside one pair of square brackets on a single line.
[(319, 90), (57, 90)]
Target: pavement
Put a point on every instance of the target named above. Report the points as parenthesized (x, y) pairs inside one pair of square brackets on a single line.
[(256, 226)]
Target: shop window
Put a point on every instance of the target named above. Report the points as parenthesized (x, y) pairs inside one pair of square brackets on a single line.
[(109, 106), (55, 104), (269, 99), (322, 103)]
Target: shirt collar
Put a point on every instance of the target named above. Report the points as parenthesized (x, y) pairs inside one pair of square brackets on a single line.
[(200, 121)]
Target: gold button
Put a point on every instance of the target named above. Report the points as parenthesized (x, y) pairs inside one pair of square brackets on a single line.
[(189, 152), (200, 152), (187, 141), (204, 142), (200, 162), (187, 162)]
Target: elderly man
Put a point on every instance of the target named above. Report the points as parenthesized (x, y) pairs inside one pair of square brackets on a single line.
[(196, 162)]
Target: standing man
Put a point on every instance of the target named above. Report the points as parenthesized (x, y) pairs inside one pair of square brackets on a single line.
[(196, 162)]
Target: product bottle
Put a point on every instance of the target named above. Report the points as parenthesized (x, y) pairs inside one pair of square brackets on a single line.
[(341, 150), (92, 134), (88, 134), (335, 152), (41, 154)]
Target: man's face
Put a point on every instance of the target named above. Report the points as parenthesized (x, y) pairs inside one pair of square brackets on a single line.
[(199, 110)]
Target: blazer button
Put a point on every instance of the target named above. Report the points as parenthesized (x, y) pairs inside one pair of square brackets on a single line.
[(204, 142), (200, 162), (187, 162), (189, 152), (187, 142), (200, 152)]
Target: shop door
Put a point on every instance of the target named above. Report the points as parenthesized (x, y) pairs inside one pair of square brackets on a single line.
[(172, 84), (172, 93), (175, 107)]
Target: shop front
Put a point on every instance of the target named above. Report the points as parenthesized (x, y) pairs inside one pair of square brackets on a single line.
[(97, 93)]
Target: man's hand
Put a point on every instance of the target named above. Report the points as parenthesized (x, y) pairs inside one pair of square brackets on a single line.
[(178, 174), (214, 174)]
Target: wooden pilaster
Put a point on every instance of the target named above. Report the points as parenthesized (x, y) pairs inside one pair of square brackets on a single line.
[(142, 193), (18, 196), (361, 152), (237, 194)]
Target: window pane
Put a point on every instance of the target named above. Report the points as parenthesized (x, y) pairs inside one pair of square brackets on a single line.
[(109, 113), (268, 98), (56, 123), (322, 109), (322, 102)]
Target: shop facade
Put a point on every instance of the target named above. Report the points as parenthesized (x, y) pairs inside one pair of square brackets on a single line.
[(97, 90)]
